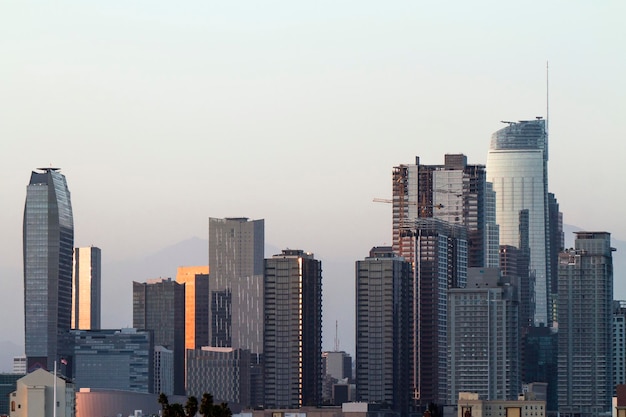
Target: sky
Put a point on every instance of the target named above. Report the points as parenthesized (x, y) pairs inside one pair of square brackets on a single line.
[(162, 114)]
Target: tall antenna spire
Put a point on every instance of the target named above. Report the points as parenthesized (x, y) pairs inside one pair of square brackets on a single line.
[(336, 336), (547, 96)]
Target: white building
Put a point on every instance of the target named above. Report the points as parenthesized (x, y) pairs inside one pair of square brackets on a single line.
[(37, 393)]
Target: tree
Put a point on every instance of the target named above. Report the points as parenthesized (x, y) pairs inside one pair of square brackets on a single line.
[(177, 410), (191, 408), (222, 410), (165, 405), (206, 405)]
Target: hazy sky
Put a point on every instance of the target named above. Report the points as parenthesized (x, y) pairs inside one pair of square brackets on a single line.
[(163, 113)]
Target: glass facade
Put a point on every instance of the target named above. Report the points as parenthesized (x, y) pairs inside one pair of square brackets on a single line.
[(86, 288), (48, 243), (517, 167)]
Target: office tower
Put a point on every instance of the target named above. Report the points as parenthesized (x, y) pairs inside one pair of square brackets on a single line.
[(19, 364), (539, 361), (292, 344), (619, 343), (196, 281), (440, 253), (224, 372), (113, 359), (454, 192), (483, 338), (48, 245), (86, 293), (383, 329), (236, 251), (159, 306), (585, 315), (337, 364), (517, 166)]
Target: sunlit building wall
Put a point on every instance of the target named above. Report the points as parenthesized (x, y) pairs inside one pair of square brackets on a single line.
[(86, 288), (196, 281)]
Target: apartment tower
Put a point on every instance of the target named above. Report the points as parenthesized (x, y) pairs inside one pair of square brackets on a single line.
[(585, 359), (48, 239), (383, 329), (292, 343)]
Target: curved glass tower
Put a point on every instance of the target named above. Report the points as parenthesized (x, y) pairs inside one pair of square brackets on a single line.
[(48, 246), (517, 166)]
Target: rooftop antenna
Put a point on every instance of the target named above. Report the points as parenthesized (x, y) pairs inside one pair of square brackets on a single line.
[(547, 97), (336, 336)]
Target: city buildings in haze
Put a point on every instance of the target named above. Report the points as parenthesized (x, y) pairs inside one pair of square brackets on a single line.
[(292, 343), (585, 313), (86, 288), (48, 238)]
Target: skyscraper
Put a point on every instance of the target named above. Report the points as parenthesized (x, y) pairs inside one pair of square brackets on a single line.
[(236, 251), (585, 360), (86, 288), (159, 306), (517, 166), (196, 280), (383, 329), (440, 254), (48, 244), (455, 192), (483, 338), (292, 343)]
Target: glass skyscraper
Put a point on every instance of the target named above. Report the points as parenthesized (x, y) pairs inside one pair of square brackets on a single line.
[(517, 166), (48, 246)]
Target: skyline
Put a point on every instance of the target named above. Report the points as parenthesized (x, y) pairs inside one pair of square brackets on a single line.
[(161, 117)]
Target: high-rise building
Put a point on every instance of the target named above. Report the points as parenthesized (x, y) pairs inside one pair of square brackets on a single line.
[(539, 361), (483, 338), (196, 280), (383, 329), (224, 372), (159, 306), (454, 192), (86, 288), (236, 252), (48, 245), (292, 343), (163, 371), (619, 342), (517, 166), (585, 314)]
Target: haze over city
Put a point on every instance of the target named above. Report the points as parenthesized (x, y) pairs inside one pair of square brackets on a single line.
[(162, 115)]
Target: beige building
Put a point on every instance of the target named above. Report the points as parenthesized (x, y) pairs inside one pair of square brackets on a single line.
[(35, 396), (470, 406)]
